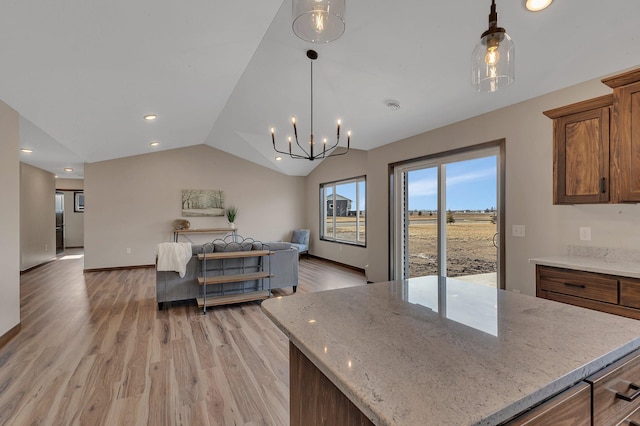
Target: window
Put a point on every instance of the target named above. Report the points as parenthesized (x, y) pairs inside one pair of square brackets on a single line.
[(343, 211)]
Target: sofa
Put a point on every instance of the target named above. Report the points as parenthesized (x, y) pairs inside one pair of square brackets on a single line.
[(282, 264)]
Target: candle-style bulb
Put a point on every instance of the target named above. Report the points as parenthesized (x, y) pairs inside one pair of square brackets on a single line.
[(348, 138), (289, 145), (293, 120)]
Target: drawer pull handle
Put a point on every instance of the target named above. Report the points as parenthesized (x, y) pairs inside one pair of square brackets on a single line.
[(633, 396), (575, 285)]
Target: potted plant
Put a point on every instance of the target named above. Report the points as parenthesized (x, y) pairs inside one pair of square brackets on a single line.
[(231, 212)]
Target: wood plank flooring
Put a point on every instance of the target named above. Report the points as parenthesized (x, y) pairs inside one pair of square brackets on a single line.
[(94, 350)]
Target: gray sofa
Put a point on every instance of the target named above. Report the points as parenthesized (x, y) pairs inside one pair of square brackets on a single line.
[(283, 265)]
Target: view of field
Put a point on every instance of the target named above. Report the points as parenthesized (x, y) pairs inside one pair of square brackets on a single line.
[(470, 248)]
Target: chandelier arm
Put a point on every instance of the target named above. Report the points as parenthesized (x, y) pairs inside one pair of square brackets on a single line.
[(303, 150)]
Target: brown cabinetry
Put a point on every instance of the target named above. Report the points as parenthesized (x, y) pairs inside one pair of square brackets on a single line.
[(616, 391), (581, 152), (571, 407), (596, 146), (601, 292), (625, 135)]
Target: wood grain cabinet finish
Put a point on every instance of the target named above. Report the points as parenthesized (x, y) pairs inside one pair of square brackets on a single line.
[(315, 400), (616, 391), (581, 152), (596, 154), (570, 408), (606, 293), (625, 135), (630, 292)]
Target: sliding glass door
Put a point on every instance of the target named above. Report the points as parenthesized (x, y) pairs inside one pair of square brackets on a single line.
[(447, 216)]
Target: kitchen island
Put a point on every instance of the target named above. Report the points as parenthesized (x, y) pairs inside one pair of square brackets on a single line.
[(431, 351)]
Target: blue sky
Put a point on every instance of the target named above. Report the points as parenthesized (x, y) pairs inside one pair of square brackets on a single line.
[(471, 185)]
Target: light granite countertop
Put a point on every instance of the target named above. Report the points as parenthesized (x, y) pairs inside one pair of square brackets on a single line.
[(447, 352), (623, 268), (603, 260)]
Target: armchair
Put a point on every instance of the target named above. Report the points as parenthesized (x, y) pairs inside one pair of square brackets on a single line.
[(300, 240)]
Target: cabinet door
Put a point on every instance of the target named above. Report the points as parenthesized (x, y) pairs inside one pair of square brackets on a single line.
[(626, 142), (581, 157)]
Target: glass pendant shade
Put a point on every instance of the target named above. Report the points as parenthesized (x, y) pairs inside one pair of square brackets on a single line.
[(493, 59), (318, 21), (493, 63)]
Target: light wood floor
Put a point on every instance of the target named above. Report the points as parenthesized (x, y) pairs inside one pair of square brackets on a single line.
[(94, 350)]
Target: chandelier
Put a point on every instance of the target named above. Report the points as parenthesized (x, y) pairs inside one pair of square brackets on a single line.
[(493, 58), (309, 154), (318, 21)]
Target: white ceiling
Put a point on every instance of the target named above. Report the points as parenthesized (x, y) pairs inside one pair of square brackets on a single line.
[(84, 73)]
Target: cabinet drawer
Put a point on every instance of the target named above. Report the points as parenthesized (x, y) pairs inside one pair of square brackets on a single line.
[(571, 407), (577, 283), (616, 390), (630, 292), (633, 419)]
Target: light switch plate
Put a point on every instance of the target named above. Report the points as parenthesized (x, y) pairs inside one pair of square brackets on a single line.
[(517, 230)]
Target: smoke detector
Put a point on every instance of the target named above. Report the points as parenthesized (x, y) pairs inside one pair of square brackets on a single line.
[(392, 104)]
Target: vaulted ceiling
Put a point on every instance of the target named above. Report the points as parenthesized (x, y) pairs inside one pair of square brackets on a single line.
[(82, 74)]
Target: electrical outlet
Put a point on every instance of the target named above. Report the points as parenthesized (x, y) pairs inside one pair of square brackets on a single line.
[(517, 230), (46, 247), (128, 250), (585, 233)]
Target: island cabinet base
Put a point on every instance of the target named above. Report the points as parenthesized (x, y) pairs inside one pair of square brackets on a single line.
[(572, 407), (314, 400)]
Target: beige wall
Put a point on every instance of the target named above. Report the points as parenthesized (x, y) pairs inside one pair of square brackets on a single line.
[(528, 134), (131, 202), (9, 219), (37, 216), (352, 165), (69, 184)]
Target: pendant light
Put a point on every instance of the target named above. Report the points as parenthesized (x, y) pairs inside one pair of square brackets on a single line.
[(493, 59), (318, 21)]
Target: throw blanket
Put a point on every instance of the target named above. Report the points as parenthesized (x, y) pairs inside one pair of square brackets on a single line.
[(174, 257)]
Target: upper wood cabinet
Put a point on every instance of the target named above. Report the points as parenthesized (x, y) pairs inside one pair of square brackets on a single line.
[(596, 146), (625, 135), (581, 151)]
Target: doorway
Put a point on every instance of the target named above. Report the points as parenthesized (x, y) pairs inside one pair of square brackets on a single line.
[(448, 216), (59, 222)]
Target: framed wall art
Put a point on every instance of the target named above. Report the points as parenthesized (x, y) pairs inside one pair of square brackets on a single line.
[(202, 202)]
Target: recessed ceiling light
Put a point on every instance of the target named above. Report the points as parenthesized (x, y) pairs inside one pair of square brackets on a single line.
[(278, 158), (150, 117), (68, 169), (154, 143), (537, 5), (26, 150)]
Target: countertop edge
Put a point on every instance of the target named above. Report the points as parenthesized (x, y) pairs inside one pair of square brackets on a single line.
[(561, 384)]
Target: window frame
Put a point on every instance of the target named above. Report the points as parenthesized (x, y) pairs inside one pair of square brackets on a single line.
[(359, 221)]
